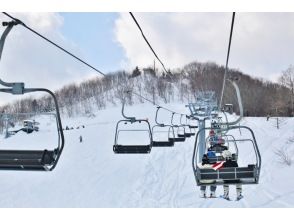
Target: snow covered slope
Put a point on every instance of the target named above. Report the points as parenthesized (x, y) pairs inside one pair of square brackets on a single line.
[(89, 174)]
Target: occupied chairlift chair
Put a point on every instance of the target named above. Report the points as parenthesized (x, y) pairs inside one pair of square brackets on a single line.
[(228, 175), (39, 160), (179, 137), (170, 133), (131, 149)]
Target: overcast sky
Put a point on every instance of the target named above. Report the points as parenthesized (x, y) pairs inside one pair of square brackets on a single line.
[(262, 44)]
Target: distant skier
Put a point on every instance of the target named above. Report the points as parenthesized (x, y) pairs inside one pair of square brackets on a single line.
[(81, 139), (268, 117), (206, 165), (230, 163)]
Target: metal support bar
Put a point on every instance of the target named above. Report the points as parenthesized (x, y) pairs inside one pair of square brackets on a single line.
[(156, 116), (239, 103), (132, 119)]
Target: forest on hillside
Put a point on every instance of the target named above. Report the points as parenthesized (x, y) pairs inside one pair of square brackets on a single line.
[(260, 97)]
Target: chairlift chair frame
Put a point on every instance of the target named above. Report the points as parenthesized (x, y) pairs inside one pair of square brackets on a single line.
[(181, 137), (191, 118), (170, 142), (228, 175), (131, 149), (29, 160), (186, 126)]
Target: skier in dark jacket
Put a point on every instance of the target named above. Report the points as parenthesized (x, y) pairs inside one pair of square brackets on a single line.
[(230, 163), (216, 142)]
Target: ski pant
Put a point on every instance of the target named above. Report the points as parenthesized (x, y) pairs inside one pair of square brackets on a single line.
[(212, 188), (238, 189)]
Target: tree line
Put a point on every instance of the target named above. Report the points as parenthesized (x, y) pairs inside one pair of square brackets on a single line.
[(260, 97)]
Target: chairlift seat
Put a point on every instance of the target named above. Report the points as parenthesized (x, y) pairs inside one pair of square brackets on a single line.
[(193, 126), (188, 134), (182, 135), (228, 175), (168, 143), (26, 159), (178, 139), (132, 149)]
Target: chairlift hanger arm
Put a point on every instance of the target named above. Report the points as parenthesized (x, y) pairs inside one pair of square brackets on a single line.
[(132, 119), (236, 87), (227, 60), (172, 119), (9, 26), (156, 117), (181, 119)]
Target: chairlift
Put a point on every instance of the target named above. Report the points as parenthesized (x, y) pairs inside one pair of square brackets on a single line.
[(192, 126), (39, 160), (170, 133), (229, 175), (179, 136), (188, 131), (132, 149)]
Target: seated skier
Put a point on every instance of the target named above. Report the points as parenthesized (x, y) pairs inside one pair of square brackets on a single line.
[(216, 142), (230, 163)]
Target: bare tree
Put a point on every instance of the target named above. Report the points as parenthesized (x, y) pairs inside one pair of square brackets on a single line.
[(287, 79)]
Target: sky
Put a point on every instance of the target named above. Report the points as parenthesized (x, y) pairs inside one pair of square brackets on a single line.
[(262, 44)]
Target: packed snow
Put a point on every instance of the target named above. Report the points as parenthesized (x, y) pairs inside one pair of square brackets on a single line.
[(89, 174)]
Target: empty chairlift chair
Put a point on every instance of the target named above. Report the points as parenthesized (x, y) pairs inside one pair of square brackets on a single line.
[(41, 160), (168, 133), (191, 126), (133, 148), (188, 131), (180, 134)]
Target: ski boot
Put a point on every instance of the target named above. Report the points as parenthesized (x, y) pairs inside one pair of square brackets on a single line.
[(226, 196), (239, 197), (212, 194), (202, 194)]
